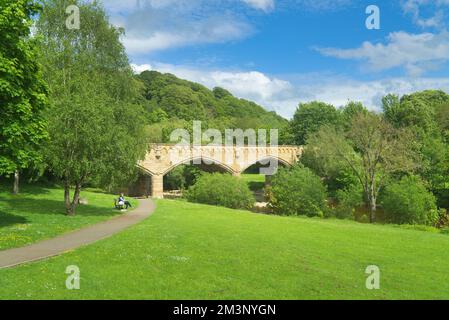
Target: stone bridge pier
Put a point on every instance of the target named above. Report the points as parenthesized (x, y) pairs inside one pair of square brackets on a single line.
[(162, 158)]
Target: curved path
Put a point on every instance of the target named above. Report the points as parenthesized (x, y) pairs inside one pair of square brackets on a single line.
[(73, 240)]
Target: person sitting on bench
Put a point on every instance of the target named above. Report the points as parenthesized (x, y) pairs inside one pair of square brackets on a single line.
[(122, 202)]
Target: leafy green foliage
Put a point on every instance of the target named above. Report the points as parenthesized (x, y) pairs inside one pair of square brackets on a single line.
[(350, 111), (372, 150), (418, 109), (182, 177), (22, 90), (310, 117), (175, 179), (222, 190), (427, 114), (348, 200), (96, 121), (409, 202), (443, 120), (297, 191), (170, 99), (334, 171), (435, 167)]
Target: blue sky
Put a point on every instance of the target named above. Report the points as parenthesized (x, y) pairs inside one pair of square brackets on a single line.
[(282, 52)]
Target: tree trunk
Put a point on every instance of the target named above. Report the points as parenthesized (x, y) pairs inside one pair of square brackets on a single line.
[(67, 198), (76, 198), (15, 189), (373, 205)]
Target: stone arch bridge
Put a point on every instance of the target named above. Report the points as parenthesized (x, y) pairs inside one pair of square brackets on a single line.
[(162, 158)]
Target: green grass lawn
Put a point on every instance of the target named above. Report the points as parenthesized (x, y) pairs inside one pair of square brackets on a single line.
[(255, 181), (190, 251), (39, 213)]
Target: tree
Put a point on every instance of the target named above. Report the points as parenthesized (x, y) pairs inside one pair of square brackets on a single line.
[(435, 166), (391, 108), (409, 202), (220, 93), (96, 125), (349, 111), (443, 120), (169, 98), (297, 191), (372, 149), (22, 91), (336, 174), (221, 190), (181, 102), (418, 109), (426, 113), (310, 117)]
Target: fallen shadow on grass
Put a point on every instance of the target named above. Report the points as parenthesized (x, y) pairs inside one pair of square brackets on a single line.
[(36, 189), (47, 206), (7, 219), (256, 186)]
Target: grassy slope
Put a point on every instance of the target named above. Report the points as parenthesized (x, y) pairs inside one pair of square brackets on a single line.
[(189, 251), (255, 181), (38, 213), (249, 178)]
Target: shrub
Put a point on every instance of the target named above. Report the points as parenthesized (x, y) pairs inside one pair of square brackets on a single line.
[(175, 179), (221, 190), (409, 202), (443, 219), (297, 191), (182, 177), (419, 228), (348, 200), (363, 219)]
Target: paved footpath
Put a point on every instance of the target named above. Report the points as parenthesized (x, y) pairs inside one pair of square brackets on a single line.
[(75, 239)]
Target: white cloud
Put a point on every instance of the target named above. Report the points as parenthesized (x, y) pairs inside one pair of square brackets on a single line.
[(130, 5), (155, 25), (435, 20), (139, 68), (417, 53), (264, 5), (283, 96), (214, 30)]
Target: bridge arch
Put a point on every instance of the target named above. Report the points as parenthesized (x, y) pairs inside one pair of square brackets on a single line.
[(267, 158), (152, 183), (146, 170), (159, 160), (204, 159)]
